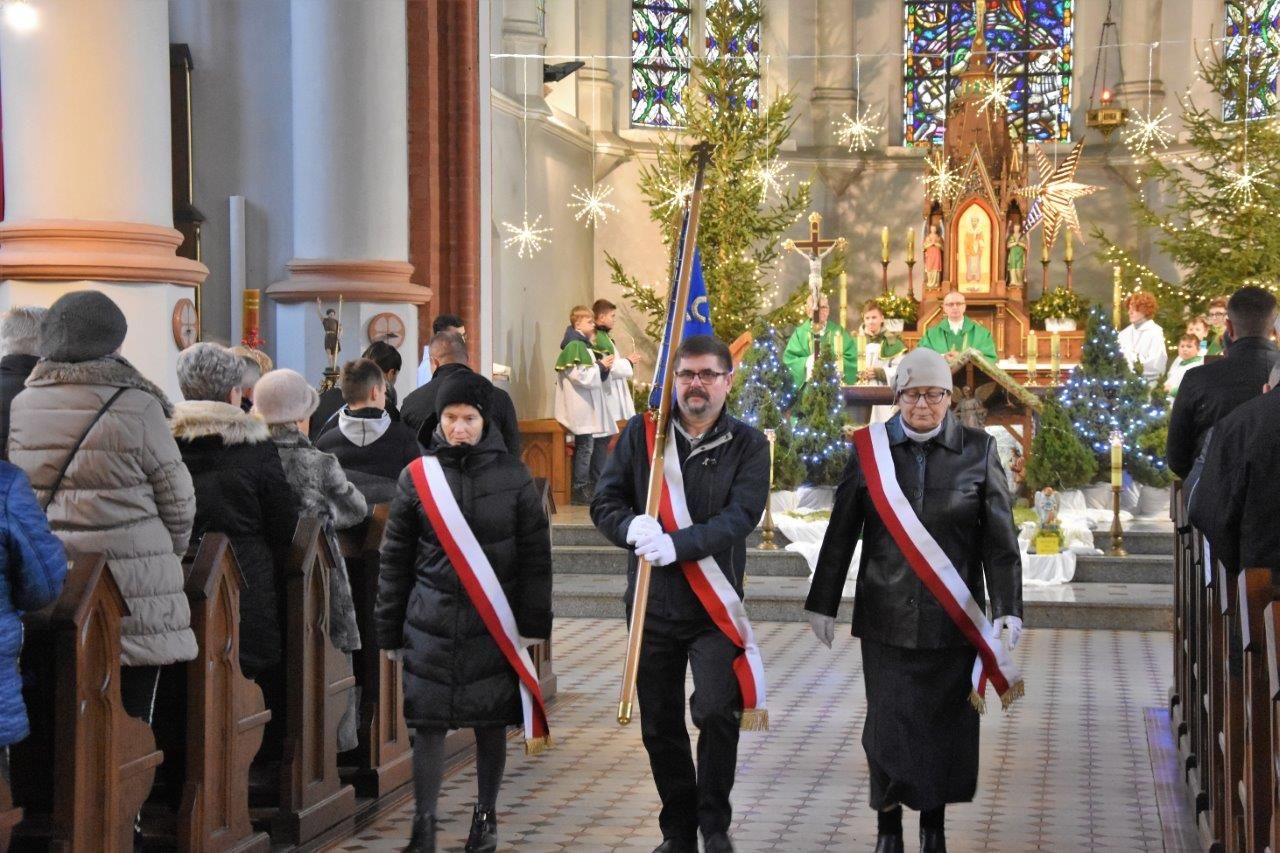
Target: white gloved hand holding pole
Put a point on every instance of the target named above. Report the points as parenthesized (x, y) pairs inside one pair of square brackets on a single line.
[(659, 550), (824, 627), (642, 527)]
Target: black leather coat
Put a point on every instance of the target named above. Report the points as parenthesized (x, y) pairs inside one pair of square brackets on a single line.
[(958, 488)]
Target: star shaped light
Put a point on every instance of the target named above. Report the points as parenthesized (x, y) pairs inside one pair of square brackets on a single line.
[(1053, 198), (674, 194), (771, 175), (1243, 184), (995, 95), (527, 236), (942, 182), (860, 131), (1144, 134), (590, 205)]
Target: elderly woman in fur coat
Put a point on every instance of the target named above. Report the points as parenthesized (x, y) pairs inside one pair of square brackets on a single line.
[(241, 491), (286, 402), (93, 436)]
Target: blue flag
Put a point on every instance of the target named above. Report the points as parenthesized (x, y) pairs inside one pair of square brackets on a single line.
[(697, 319)]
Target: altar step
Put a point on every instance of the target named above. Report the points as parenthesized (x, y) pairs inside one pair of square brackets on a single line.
[(608, 560)]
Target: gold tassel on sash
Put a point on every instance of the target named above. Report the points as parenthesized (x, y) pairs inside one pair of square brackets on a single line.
[(537, 745), (1015, 692), (755, 720)]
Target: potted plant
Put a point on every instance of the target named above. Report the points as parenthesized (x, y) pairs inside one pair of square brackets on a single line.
[(898, 311), (1060, 310)]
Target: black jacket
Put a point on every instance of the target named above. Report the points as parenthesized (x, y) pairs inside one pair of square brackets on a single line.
[(959, 490), (14, 370), (241, 490), (726, 484), (420, 406), (325, 417), (382, 456), (1211, 392), (455, 676), (1242, 468)]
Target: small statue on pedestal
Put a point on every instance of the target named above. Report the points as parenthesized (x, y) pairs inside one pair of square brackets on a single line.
[(330, 318), (969, 410), (1049, 536)]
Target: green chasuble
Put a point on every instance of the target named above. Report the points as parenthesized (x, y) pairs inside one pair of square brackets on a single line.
[(800, 347), (972, 335), (576, 353), (604, 344), (890, 345)]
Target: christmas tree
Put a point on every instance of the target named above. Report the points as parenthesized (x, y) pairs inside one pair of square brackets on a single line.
[(1216, 210), (762, 396), (746, 203), (1058, 459), (819, 422), (1104, 395)]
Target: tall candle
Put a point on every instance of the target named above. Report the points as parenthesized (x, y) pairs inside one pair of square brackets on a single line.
[(251, 303), (1044, 251), (884, 244), (1116, 297), (862, 355), (1068, 254), (1031, 354), (911, 245), (844, 301), (1117, 461), (1055, 356)]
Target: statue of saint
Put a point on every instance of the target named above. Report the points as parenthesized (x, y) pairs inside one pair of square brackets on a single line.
[(1047, 504), (332, 332), (970, 411), (974, 245), (933, 257), (1016, 259)]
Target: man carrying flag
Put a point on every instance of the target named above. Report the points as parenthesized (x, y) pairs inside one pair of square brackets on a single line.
[(930, 501), (716, 484)]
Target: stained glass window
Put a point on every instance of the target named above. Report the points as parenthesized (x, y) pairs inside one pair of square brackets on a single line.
[(662, 56), (1031, 42), (1252, 29)]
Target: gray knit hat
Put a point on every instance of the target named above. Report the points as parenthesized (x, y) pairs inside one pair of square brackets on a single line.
[(209, 371), (81, 326), (283, 397), (922, 368)]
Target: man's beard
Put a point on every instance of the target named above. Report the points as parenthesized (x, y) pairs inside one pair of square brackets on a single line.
[(697, 402)]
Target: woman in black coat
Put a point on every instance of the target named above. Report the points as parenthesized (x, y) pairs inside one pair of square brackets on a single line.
[(241, 491), (455, 675)]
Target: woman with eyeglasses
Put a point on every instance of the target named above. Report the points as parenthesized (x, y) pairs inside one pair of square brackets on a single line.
[(930, 501)]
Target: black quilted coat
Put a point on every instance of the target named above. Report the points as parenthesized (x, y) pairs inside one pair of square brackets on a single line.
[(454, 674)]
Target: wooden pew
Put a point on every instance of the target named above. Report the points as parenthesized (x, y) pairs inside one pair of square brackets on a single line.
[(384, 758), (312, 797), (1231, 736), (1271, 626), (87, 767), (1255, 592), (10, 815), (225, 712), (1213, 655), (1178, 692)]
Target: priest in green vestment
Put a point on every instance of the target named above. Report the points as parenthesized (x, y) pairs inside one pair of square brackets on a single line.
[(957, 333), (798, 356)]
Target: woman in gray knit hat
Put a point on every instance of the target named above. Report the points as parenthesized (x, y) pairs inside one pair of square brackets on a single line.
[(123, 490)]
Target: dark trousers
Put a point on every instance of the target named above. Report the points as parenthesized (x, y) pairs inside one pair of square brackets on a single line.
[(138, 691), (691, 799), (583, 448)]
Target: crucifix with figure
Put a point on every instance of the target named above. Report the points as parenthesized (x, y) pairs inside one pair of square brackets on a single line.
[(815, 251)]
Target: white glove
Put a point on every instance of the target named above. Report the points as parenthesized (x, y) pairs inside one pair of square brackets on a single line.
[(658, 550), (643, 527), (824, 627), (1013, 623), (395, 654)]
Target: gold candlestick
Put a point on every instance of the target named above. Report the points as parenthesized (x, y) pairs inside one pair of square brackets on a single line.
[(844, 301), (766, 532), (1117, 298), (1055, 358), (1117, 482), (1031, 357)]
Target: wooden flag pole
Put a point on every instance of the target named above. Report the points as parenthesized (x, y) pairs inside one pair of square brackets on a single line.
[(640, 604)]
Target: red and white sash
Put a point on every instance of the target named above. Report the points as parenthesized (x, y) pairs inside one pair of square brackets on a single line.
[(934, 569), (714, 591), (484, 590)]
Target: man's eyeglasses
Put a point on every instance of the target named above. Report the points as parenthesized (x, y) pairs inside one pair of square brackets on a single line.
[(1218, 314), (706, 377), (933, 397)]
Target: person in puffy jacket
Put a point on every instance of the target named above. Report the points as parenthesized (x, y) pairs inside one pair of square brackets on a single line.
[(455, 675), (33, 567)]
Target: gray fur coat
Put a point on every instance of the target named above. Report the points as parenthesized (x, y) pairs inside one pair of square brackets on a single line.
[(323, 491)]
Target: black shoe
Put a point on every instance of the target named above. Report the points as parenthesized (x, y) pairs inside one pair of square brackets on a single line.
[(423, 839), (718, 843), (932, 841), (483, 837), (889, 842), (675, 845)]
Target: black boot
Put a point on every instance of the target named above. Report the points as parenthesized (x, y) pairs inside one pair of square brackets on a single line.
[(423, 839), (675, 845), (932, 837), (889, 830), (483, 837)]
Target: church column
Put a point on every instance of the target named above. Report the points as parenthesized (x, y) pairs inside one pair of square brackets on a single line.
[(836, 40), (87, 161), (350, 184), (1139, 27), (597, 89)]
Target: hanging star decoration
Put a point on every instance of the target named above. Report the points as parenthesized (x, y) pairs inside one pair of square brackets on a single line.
[(590, 205), (942, 182), (1144, 134), (1053, 198), (860, 131), (995, 96), (674, 194), (1243, 184), (772, 176), (527, 236)]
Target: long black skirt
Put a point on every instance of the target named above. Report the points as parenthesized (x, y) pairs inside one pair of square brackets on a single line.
[(921, 733)]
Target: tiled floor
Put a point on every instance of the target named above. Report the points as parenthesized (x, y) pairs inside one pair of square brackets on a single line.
[(1068, 769)]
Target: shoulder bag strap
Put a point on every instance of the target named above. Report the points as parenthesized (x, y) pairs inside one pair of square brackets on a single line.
[(57, 483)]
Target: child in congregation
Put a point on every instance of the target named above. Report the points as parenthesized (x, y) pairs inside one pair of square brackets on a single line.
[(285, 400), (580, 402), (1190, 354), (1199, 327)]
